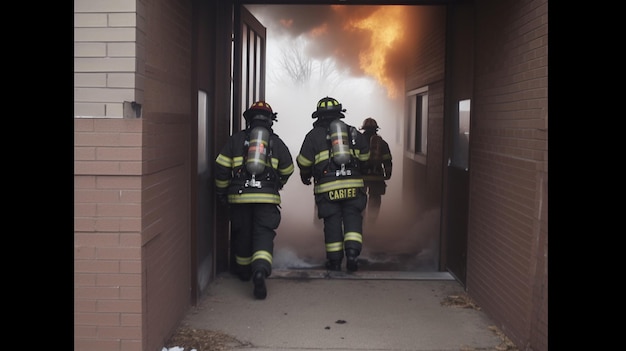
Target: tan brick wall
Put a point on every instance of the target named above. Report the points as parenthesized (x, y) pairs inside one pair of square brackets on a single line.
[(132, 175), (507, 246), (107, 233), (105, 53)]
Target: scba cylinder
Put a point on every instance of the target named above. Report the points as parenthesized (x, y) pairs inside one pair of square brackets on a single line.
[(340, 142), (257, 150)]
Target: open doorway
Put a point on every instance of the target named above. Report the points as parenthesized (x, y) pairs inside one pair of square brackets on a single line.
[(357, 54)]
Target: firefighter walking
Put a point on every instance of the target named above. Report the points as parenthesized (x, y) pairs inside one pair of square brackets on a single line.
[(250, 170), (332, 154), (377, 169)]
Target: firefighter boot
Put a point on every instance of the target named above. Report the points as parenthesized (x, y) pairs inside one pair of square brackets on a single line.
[(333, 265), (352, 264), (260, 291)]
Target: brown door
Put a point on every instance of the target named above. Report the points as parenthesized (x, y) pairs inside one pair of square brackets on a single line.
[(459, 83), (457, 194), (249, 64), (248, 71)]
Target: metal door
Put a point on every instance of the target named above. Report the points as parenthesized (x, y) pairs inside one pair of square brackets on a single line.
[(459, 81), (457, 194)]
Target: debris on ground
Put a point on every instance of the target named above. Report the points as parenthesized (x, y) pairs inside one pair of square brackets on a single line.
[(461, 301), (190, 339), (506, 344)]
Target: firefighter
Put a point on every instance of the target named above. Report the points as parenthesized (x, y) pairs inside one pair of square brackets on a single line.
[(332, 153), (377, 169), (250, 170)]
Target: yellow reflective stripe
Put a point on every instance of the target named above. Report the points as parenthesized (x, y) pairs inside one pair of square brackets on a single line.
[(262, 255), (244, 261), (344, 135), (247, 198), (303, 161), (286, 170), (343, 152), (258, 141), (250, 160), (353, 236), (387, 157), (362, 157), (237, 161), (334, 247), (224, 161), (338, 184), (322, 156), (222, 184)]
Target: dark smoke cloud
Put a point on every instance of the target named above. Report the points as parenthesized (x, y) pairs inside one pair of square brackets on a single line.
[(337, 41)]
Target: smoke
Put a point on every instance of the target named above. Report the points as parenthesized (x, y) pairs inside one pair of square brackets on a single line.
[(329, 43), (362, 40)]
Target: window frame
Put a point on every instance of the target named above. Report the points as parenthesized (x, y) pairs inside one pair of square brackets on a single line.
[(416, 123)]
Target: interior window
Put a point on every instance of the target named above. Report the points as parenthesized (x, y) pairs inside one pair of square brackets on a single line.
[(202, 131), (460, 151)]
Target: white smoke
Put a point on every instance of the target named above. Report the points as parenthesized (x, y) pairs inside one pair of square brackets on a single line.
[(397, 239)]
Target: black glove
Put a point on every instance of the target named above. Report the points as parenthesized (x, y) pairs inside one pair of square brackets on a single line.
[(306, 180)]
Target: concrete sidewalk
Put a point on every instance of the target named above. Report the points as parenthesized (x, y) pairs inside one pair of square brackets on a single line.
[(318, 310)]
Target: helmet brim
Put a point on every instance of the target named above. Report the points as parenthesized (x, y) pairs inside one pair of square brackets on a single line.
[(256, 112), (328, 114)]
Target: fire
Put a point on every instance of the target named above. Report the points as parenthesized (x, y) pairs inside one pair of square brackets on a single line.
[(368, 39), (385, 26)]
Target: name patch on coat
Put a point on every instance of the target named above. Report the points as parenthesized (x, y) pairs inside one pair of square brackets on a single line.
[(341, 194)]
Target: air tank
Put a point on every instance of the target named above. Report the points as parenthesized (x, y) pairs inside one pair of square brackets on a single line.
[(257, 150), (340, 142)]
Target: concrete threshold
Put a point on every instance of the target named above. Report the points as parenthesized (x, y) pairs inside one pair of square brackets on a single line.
[(359, 275)]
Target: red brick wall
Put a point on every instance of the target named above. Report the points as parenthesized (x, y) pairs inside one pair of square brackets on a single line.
[(427, 68), (507, 243)]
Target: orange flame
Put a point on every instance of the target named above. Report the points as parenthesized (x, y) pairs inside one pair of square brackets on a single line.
[(382, 26), (385, 26)]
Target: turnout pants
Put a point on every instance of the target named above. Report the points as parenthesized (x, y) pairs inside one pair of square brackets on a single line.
[(375, 190), (253, 229), (343, 223)]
